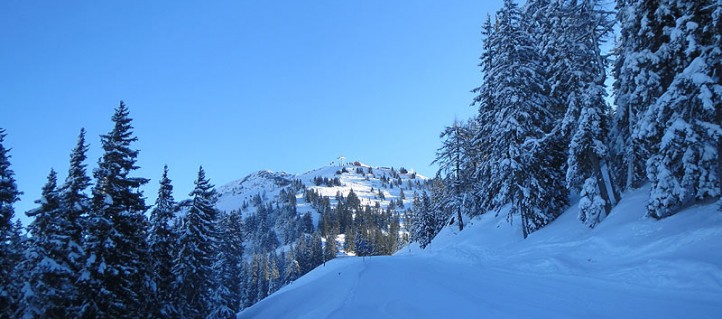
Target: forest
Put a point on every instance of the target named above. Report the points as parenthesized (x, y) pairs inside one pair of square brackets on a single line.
[(546, 132)]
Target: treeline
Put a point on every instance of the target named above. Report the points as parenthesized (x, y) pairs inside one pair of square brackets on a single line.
[(91, 252), (544, 129), (367, 230)]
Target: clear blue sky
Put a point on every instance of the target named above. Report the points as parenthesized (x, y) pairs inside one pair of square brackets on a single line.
[(235, 86)]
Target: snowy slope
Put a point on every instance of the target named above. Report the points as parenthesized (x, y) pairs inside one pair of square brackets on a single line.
[(629, 266), (365, 185)]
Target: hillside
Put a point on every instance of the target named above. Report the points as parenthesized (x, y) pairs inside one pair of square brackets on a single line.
[(372, 185), (629, 266)]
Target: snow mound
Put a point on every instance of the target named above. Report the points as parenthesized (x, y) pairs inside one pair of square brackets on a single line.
[(629, 266)]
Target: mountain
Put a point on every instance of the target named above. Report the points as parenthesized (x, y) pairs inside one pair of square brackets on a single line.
[(385, 186), (293, 223), (629, 266)]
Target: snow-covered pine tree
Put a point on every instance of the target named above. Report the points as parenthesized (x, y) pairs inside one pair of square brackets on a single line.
[(274, 282), (9, 254), (115, 279), (521, 162), (591, 205), (46, 273), (683, 124), (250, 291), (716, 64), (481, 140), (229, 266), (161, 246), (75, 207), (430, 215), (577, 71), (196, 253), (638, 83), (455, 158)]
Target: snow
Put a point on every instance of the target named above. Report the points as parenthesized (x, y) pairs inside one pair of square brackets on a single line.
[(232, 195), (628, 266)]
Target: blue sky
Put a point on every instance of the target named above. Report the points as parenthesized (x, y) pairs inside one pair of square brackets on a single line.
[(235, 86)]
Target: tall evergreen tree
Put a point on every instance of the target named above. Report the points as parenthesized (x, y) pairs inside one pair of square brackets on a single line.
[(637, 85), (521, 163), (116, 278), (229, 265), (161, 245), (74, 209), (482, 139), (197, 245), (683, 124), (579, 74), (455, 161), (9, 254), (47, 274)]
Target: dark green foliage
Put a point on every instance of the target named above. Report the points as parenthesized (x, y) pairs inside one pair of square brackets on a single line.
[(116, 278), (9, 254), (197, 248), (162, 240), (47, 274)]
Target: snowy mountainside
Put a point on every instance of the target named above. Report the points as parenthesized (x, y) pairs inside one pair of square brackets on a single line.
[(629, 266), (234, 194), (372, 185)]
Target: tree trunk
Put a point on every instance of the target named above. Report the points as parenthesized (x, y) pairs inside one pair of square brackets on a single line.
[(601, 184)]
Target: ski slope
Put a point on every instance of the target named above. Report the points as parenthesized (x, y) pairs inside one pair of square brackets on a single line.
[(629, 266)]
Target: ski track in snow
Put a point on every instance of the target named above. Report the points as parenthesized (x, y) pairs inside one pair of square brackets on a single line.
[(629, 266)]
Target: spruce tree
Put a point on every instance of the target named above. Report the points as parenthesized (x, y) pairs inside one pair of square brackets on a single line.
[(47, 273), (578, 74), (9, 253), (75, 207), (637, 84), (161, 245), (683, 124), (229, 265), (116, 279), (196, 253), (521, 162)]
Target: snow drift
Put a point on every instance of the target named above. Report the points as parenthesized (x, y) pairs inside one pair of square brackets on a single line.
[(629, 266)]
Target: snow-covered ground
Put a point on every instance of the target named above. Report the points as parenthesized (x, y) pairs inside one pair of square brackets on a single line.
[(366, 185), (628, 266)]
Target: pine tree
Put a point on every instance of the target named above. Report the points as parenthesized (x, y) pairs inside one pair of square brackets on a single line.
[(520, 156), (116, 278), (683, 124), (75, 207), (429, 219), (250, 295), (9, 253), (161, 246), (454, 157), (330, 249), (578, 74), (637, 85), (229, 265), (47, 274), (197, 246)]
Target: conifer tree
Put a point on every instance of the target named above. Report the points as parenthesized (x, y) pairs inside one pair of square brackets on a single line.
[(70, 220), (454, 158), (638, 82), (683, 125), (578, 74), (197, 246), (229, 264), (9, 253), (161, 246), (521, 165), (48, 277), (116, 279)]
